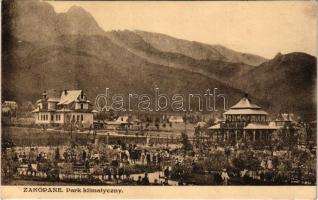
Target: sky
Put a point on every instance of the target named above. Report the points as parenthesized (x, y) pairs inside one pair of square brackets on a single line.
[(262, 28)]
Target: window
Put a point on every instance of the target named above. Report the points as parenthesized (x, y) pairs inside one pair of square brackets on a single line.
[(38, 117), (253, 118), (77, 117), (82, 106), (82, 117)]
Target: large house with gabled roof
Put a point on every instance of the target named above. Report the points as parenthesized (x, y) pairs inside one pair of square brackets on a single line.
[(68, 107)]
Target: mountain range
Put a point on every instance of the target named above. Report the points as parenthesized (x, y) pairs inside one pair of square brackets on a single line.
[(43, 49)]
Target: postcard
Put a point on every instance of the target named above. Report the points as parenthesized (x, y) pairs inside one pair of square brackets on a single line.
[(159, 99)]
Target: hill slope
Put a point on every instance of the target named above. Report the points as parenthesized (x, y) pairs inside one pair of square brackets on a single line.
[(289, 81)]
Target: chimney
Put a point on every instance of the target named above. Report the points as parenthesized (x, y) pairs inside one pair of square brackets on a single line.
[(44, 94)]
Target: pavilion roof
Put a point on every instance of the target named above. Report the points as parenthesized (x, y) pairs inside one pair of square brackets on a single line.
[(245, 103), (245, 112), (260, 126)]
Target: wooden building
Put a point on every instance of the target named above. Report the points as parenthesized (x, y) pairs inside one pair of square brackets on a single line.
[(244, 121)]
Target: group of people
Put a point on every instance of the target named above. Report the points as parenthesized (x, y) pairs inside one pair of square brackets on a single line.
[(114, 162)]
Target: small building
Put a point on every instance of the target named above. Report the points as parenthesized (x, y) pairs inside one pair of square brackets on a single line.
[(69, 107), (176, 119), (11, 104), (9, 107), (284, 119), (121, 122), (246, 121)]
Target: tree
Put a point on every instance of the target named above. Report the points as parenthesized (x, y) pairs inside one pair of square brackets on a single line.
[(238, 164), (57, 154), (227, 153), (186, 145), (197, 135)]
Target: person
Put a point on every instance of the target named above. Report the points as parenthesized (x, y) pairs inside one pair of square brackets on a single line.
[(165, 182), (24, 158), (109, 173), (269, 164), (145, 180), (29, 169), (120, 172), (84, 155), (87, 166), (167, 172), (148, 158), (225, 177), (139, 180), (142, 157), (263, 164), (156, 182), (217, 178)]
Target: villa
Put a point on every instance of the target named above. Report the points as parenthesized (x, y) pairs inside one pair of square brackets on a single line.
[(70, 107)]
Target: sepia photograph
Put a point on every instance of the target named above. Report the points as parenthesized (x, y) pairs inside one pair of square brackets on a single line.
[(158, 93)]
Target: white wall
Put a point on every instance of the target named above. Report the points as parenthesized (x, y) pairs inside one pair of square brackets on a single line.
[(48, 120), (87, 117), (45, 119)]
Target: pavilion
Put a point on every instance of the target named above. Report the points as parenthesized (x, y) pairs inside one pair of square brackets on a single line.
[(246, 121)]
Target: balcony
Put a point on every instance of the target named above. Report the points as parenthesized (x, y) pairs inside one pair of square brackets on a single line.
[(233, 125)]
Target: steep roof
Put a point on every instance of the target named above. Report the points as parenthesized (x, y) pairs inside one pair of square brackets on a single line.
[(216, 126), (245, 103), (69, 97), (245, 107), (285, 117)]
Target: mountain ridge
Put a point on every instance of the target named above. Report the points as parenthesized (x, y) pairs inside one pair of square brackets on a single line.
[(212, 52), (40, 45)]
